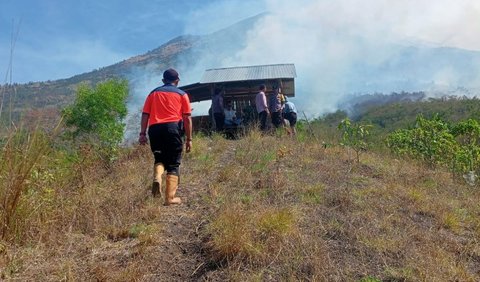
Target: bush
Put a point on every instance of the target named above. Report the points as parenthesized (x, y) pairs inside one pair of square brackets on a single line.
[(96, 117), (430, 141), (437, 142), (467, 134)]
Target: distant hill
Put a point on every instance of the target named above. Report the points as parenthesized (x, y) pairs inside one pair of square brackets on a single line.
[(403, 114), (41, 98), (400, 110), (60, 92), (409, 68), (180, 50)]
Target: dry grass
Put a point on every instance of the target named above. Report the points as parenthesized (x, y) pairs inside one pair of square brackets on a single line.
[(262, 208), (383, 219), (242, 233)]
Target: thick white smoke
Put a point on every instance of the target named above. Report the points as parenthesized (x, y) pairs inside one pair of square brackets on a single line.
[(333, 43)]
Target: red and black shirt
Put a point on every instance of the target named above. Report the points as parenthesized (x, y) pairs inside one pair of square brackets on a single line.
[(165, 104)]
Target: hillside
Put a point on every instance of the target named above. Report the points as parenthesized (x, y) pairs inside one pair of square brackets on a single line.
[(263, 207), (260, 208)]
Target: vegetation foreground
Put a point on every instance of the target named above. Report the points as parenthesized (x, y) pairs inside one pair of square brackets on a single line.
[(75, 206), (261, 208)]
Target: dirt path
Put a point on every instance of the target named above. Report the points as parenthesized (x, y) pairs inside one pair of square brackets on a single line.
[(180, 255)]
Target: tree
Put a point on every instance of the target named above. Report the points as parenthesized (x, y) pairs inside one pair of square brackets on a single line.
[(96, 116)]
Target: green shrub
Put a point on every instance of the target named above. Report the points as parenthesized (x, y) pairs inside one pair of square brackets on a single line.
[(96, 117), (354, 135), (430, 141), (467, 156), (437, 142)]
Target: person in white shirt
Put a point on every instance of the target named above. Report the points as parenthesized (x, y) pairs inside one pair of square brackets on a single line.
[(262, 107)]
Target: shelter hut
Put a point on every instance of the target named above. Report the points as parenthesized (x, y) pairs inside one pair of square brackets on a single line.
[(240, 85)]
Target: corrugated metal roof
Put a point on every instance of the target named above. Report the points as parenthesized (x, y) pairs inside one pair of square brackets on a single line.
[(249, 73)]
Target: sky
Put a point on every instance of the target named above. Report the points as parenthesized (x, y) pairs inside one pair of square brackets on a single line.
[(325, 39)]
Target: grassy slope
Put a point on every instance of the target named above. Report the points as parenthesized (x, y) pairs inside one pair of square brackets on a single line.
[(260, 208)]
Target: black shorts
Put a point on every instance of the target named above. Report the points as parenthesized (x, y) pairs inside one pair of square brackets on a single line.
[(277, 119), (219, 121), (292, 118), (263, 120), (167, 145)]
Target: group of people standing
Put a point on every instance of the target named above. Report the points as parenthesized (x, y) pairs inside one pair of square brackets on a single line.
[(279, 108), (274, 105)]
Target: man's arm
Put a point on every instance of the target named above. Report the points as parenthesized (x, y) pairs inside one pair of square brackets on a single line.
[(187, 123), (142, 139)]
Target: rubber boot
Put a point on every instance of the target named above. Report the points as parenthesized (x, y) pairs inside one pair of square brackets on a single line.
[(172, 185), (158, 170)]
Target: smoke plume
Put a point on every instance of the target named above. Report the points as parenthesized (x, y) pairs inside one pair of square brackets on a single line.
[(344, 47)]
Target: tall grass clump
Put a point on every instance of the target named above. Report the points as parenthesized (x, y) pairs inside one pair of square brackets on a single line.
[(251, 234), (21, 152)]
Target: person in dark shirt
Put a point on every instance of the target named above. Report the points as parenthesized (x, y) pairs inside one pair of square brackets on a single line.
[(276, 104), (218, 109)]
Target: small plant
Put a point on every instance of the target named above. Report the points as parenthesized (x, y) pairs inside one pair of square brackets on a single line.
[(451, 221), (354, 136), (467, 155), (276, 223), (239, 232), (231, 235)]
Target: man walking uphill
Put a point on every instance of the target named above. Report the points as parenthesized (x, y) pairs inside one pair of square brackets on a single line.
[(164, 111)]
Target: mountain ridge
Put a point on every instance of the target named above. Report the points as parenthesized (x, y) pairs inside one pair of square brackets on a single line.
[(408, 68)]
